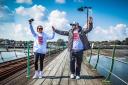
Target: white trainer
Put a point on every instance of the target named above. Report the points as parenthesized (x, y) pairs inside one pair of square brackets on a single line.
[(77, 77), (35, 75), (72, 76), (40, 74)]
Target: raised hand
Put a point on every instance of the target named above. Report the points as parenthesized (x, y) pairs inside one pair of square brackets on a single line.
[(30, 21), (53, 28), (90, 19)]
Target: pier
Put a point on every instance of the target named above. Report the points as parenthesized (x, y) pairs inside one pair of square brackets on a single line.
[(57, 69)]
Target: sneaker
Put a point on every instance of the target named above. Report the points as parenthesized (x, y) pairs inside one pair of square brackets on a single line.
[(77, 77), (35, 75), (40, 74), (72, 76)]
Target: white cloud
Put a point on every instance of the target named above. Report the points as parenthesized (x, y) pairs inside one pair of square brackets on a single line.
[(15, 32), (60, 1), (24, 1), (57, 19), (21, 10), (112, 33), (54, 18), (36, 12), (20, 30)]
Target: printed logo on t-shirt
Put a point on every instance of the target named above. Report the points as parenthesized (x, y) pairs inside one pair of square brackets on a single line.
[(75, 36), (40, 40)]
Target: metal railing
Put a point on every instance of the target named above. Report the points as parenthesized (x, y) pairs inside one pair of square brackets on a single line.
[(23, 50), (110, 71), (56, 49)]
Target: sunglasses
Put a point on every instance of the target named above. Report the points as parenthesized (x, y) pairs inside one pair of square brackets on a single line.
[(40, 28)]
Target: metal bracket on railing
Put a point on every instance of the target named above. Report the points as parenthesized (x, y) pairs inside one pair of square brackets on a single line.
[(107, 80), (28, 61)]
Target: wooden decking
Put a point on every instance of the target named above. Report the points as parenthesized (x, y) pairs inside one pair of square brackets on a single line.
[(58, 73)]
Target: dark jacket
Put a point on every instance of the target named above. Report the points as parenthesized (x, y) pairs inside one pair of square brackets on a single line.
[(82, 34)]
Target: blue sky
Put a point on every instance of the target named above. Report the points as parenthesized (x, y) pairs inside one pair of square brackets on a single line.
[(110, 17)]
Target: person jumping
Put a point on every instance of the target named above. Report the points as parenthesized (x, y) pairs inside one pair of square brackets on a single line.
[(77, 43), (39, 47)]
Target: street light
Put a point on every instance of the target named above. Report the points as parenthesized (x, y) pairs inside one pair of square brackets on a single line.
[(81, 9)]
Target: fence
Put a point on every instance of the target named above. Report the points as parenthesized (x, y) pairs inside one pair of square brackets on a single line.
[(110, 71)]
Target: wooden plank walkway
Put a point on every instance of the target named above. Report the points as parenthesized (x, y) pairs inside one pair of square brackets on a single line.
[(57, 72)]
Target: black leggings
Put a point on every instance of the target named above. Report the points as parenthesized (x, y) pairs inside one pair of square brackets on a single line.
[(41, 57)]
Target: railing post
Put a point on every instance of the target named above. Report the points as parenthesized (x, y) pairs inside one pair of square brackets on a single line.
[(49, 49), (107, 80), (7, 48), (91, 52), (28, 61), (63, 45), (31, 51), (97, 58), (25, 49), (55, 46), (1, 57), (15, 51)]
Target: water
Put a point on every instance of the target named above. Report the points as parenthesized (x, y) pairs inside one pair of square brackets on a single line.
[(2, 49), (7, 56), (120, 68), (125, 59)]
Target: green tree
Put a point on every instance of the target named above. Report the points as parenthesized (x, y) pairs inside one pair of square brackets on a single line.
[(117, 42), (60, 42), (126, 40)]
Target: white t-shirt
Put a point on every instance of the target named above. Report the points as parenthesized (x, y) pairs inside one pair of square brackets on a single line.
[(40, 41), (77, 43)]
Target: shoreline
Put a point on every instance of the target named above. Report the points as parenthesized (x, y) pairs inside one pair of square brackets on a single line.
[(119, 53)]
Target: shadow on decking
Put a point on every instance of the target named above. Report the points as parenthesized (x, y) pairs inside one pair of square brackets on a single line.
[(82, 77)]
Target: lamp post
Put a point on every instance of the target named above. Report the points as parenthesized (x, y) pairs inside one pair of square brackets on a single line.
[(81, 9)]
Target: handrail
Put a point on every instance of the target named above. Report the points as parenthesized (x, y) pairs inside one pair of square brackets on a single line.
[(24, 50), (107, 80), (28, 57), (113, 74), (112, 65)]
